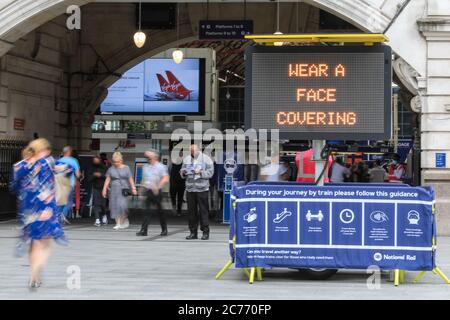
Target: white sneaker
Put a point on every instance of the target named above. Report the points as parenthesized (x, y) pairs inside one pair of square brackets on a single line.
[(105, 220), (125, 225), (116, 227), (97, 223)]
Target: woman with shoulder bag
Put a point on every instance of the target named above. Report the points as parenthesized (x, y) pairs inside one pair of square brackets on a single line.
[(34, 183), (120, 179)]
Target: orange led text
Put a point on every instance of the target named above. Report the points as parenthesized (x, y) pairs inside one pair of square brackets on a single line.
[(316, 95), (316, 118)]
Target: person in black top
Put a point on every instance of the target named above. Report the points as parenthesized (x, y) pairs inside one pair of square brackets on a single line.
[(177, 184), (98, 201)]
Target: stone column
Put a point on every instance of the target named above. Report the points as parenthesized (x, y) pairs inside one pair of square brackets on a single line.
[(434, 90)]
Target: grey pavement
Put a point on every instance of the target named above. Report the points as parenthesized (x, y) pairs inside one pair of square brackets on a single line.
[(119, 265)]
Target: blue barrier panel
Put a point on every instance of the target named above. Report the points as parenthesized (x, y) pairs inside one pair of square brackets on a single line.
[(334, 226)]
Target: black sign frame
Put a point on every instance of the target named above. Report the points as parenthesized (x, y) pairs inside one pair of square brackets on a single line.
[(302, 135)]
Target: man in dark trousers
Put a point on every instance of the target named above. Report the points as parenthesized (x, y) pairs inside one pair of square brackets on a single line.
[(197, 169), (154, 177), (98, 202), (177, 184)]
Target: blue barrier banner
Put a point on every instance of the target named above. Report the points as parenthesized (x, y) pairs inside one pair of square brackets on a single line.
[(351, 227)]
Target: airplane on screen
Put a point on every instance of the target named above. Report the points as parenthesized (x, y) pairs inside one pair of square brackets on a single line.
[(172, 88)]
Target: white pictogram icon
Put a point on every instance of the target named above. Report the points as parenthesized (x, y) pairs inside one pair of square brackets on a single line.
[(251, 215), (413, 217), (347, 216), (282, 215), (318, 216), (378, 216), (377, 256)]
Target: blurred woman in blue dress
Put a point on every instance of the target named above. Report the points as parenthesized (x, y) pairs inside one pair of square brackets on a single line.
[(34, 184)]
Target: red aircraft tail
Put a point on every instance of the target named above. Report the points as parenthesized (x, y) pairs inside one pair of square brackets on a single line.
[(176, 85), (165, 86)]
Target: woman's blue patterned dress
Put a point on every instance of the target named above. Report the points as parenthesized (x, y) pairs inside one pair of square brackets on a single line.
[(34, 185)]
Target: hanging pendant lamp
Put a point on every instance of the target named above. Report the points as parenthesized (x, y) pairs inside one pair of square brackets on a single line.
[(139, 36)]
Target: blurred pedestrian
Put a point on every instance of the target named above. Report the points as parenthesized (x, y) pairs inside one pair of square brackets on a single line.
[(105, 160), (177, 184), (97, 179), (120, 179), (338, 172), (154, 177), (69, 160), (377, 173), (34, 183), (197, 169)]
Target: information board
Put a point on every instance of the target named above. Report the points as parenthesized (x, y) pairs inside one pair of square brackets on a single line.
[(334, 227), (320, 92), (224, 29)]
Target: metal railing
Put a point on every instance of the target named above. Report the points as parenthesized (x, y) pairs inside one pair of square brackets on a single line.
[(10, 153)]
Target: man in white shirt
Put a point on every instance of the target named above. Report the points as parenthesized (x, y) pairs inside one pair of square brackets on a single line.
[(197, 169), (378, 174), (338, 172), (154, 177)]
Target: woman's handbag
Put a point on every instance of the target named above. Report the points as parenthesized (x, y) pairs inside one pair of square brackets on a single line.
[(126, 192), (62, 189)]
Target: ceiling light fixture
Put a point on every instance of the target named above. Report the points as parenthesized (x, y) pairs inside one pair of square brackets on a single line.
[(139, 36), (278, 32), (178, 55)]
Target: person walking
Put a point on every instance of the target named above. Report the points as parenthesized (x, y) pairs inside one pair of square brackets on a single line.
[(34, 183), (377, 173), (197, 169), (120, 179), (338, 172), (105, 160), (69, 160), (177, 184), (154, 177), (98, 201)]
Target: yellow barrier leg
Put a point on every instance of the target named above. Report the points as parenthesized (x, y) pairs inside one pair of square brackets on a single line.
[(442, 275), (259, 274), (402, 276), (246, 272), (252, 275), (225, 268), (396, 277), (419, 276)]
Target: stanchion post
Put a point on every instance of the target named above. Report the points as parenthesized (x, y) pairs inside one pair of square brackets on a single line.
[(259, 274), (252, 275), (442, 275), (396, 277), (402, 276), (225, 268)]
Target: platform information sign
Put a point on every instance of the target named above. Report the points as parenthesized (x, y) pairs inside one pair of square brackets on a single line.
[(334, 227), (320, 92)]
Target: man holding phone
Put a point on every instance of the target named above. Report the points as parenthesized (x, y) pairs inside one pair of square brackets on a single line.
[(197, 169)]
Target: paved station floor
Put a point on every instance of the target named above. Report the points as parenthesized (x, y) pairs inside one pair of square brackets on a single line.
[(119, 265)]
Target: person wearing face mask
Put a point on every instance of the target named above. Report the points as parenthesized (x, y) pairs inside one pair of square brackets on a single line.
[(154, 177), (396, 170)]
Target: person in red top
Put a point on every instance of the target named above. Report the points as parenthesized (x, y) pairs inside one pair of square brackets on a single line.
[(396, 170)]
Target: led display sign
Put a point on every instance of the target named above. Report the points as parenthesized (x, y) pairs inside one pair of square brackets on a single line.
[(320, 92)]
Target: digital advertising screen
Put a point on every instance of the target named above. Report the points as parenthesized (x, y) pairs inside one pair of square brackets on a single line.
[(316, 93), (158, 86)]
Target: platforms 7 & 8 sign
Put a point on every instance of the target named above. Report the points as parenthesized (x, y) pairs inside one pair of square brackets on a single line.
[(334, 227)]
